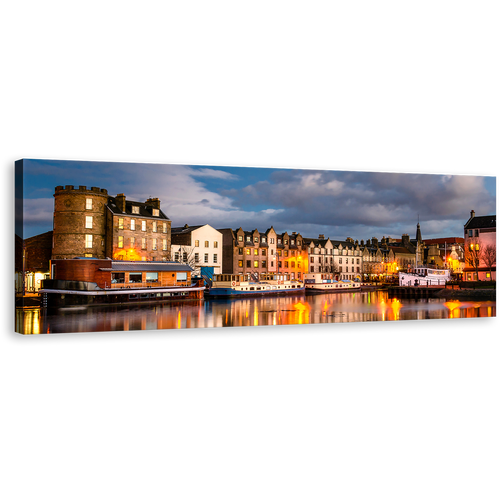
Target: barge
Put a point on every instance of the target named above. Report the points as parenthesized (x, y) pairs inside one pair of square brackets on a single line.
[(84, 282), (240, 285), (424, 276), (326, 283)]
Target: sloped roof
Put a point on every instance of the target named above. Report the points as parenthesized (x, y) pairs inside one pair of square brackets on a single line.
[(481, 222), (145, 209), (184, 229)]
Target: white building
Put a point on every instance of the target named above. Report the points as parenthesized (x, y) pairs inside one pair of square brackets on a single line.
[(198, 246)]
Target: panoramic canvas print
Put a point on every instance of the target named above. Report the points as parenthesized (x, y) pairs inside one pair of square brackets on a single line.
[(106, 246)]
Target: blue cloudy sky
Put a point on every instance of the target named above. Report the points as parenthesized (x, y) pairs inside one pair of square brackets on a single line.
[(336, 203)]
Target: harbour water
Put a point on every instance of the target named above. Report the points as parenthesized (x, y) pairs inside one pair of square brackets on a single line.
[(256, 311)]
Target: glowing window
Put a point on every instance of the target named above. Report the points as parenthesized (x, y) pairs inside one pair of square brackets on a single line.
[(88, 203), (156, 212), (120, 223), (143, 224), (132, 224), (135, 209), (255, 263), (132, 242), (88, 241), (88, 222), (164, 244), (143, 243), (155, 229)]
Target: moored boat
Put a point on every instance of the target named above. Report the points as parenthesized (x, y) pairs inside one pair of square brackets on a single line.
[(424, 276), (326, 283), (239, 285)]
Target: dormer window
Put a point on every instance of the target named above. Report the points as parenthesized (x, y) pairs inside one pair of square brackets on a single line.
[(263, 239), (135, 209), (248, 238), (156, 212), (256, 239)]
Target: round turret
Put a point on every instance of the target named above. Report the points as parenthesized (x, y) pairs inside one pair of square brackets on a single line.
[(79, 222)]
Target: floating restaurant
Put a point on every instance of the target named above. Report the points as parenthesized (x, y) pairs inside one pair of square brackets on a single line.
[(90, 281)]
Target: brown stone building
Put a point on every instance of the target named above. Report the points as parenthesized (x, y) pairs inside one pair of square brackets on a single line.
[(90, 223), (262, 253)]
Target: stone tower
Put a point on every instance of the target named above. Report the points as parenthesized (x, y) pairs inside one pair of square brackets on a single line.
[(79, 222)]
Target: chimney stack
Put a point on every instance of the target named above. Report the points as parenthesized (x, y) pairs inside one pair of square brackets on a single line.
[(120, 201), (154, 202), (472, 214)]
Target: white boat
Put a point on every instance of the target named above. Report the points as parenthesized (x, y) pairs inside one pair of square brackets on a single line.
[(326, 283), (424, 276), (239, 285)]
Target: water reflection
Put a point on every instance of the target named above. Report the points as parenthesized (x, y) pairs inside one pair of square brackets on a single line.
[(258, 311)]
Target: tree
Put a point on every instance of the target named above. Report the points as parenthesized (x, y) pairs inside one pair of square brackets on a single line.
[(490, 257), (473, 254), (186, 255)]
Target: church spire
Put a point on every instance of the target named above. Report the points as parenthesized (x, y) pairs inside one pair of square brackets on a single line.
[(419, 234)]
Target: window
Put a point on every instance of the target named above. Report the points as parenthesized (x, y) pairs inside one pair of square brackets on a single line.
[(88, 222), (196, 243), (263, 252), (215, 258), (132, 224), (184, 257), (143, 244), (88, 241), (286, 242), (207, 244), (205, 258), (292, 264), (135, 209), (240, 263), (240, 238), (154, 244), (120, 223), (132, 242), (164, 244), (286, 263), (263, 239), (143, 225), (216, 244), (135, 278), (255, 263), (476, 233), (249, 263), (340, 260), (155, 229), (312, 260), (256, 251), (248, 251), (151, 277), (256, 240), (264, 263), (156, 212), (176, 256), (197, 257), (272, 241), (88, 204), (88, 255), (120, 241), (248, 238), (164, 227), (286, 253)]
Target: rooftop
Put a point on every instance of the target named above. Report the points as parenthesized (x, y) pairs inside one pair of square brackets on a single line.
[(145, 209), (137, 265), (481, 222)]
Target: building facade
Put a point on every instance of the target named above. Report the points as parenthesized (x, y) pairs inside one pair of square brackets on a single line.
[(260, 253), (480, 247), (198, 246), (90, 223)]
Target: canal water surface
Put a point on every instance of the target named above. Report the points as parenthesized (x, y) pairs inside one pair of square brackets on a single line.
[(257, 311)]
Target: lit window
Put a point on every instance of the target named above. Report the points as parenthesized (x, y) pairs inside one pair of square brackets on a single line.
[(207, 244), (143, 223), (132, 242), (154, 227), (88, 241), (88, 222), (263, 239), (216, 244), (240, 263), (120, 241), (154, 244), (256, 251), (247, 251), (255, 263), (240, 238), (132, 224), (156, 212), (164, 244), (196, 243), (248, 238), (256, 240), (120, 223), (135, 210), (143, 243), (88, 203), (164, 227)]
